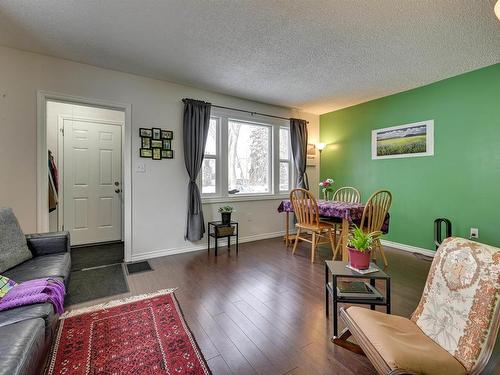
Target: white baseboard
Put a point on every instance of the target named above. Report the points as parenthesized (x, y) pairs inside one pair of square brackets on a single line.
[(409, 248), (202, 246)]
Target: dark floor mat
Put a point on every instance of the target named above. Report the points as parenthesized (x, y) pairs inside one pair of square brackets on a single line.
[(96, 256), (96, 283), (138, 267)]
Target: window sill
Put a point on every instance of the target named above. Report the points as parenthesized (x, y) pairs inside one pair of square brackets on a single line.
[(245, 198)]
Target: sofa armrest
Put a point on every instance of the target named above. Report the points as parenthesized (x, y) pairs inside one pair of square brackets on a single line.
[(48, 243)]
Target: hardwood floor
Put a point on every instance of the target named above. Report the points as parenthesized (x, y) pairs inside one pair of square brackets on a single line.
[(262, 311)]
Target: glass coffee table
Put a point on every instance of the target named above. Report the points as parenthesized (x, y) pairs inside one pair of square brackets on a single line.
[(338, 269)]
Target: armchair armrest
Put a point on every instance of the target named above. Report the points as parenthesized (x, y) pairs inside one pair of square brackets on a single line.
[(48, 243)]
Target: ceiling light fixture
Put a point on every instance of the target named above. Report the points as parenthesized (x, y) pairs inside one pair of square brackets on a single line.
[(497, 9)]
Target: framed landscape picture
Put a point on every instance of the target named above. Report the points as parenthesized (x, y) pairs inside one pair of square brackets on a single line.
[(167, 134), (156, 143), (404, 141), (143, 132)]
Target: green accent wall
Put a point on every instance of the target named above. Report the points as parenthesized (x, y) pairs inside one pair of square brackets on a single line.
[(460, 182)]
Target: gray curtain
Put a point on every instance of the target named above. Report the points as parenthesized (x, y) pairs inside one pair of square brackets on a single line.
[(298, 137), (196, 122)]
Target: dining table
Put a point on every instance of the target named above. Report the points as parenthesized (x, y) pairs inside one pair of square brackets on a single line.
[(346, 213)]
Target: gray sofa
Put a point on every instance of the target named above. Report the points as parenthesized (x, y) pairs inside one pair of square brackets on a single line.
[(26, 332)]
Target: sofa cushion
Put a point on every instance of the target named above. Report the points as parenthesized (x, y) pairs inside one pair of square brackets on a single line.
[(53, 265), (44, 311), (400, 343), (22, 347), (13, 247)]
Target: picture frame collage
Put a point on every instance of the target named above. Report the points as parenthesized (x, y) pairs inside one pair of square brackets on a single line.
[(156, 143)]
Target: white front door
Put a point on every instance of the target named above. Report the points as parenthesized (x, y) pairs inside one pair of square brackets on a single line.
[(92, 177)]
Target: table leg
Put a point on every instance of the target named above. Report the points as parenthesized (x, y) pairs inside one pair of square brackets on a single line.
[(228, 244), (372, 283), (327, 302), (237, 237), (334, 311), (287, 227), (345, 236), (388, 295), (216, 244)]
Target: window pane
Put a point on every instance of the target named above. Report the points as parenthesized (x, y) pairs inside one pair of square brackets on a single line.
[(208, 170), (284, 143), (284, 176), (248, 158), (211, 145)]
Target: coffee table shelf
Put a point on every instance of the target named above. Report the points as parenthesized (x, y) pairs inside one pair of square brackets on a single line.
[(336, 270)]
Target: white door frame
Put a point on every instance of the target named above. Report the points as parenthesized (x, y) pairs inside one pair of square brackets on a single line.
[(42, 182)]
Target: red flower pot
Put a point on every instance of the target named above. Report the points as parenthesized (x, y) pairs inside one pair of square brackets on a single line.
[(358, 259)]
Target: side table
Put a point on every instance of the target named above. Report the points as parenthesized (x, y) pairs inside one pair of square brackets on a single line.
[(215, 231), (338, 269)]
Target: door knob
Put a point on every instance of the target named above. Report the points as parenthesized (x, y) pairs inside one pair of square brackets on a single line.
[(117, 190), (117, 183)]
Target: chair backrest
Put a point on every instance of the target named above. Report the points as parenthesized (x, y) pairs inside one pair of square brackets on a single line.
[(347, 194), (304, 207), (460, 305), (375, 211)]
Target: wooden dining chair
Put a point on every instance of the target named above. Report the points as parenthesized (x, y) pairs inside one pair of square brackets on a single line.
[(373, 218), (306, 211), (347, 194)]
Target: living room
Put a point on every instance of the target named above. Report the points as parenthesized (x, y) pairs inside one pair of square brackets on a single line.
[(198, 110)]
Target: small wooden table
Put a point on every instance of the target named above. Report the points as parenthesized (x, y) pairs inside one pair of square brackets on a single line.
[(339, 270), (214, 233)]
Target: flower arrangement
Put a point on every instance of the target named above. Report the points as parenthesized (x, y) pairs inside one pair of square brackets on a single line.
[(225, 209), (326, 187)]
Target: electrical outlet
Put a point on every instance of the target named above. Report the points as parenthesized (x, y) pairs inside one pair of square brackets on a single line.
[(474, 233)]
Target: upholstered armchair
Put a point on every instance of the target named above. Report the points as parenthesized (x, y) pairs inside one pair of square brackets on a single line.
[(455, 325)]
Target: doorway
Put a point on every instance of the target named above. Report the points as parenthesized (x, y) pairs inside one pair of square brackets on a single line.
[(85, 176)]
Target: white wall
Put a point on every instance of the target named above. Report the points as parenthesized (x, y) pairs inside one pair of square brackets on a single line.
[(159, 195)]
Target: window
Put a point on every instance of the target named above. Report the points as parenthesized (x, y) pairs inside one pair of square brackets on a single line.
[(245, 158), (209, 167), (249, 156), (285, 160)]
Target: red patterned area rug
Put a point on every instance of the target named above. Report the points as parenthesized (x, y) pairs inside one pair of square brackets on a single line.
[(139, 335)]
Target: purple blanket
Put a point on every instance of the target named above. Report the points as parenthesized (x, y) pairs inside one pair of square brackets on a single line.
[(35, 291)]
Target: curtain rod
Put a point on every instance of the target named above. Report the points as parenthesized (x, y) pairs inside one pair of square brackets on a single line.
[(252, 113)]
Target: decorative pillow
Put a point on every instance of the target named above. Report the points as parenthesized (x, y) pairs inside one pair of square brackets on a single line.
[(6, 284), (13, 247), (461, 300)]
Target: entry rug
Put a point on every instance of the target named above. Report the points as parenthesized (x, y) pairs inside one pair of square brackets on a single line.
[(144, 334)]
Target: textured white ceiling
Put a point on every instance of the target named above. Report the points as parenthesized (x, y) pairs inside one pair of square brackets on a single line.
[(317, 55)]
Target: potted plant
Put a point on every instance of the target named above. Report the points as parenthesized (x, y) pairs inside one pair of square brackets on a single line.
[(225, 212), (326, 187), (360, 246)]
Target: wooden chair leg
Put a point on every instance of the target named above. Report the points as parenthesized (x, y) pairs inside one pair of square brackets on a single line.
[(382, 253), (337, 247), (296, 241), (332, 240), (313, 246), (342, 342)]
